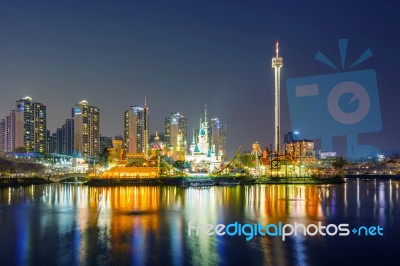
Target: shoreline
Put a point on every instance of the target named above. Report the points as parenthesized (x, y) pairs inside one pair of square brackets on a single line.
[(179, 181), (380, 177), (6, 182)]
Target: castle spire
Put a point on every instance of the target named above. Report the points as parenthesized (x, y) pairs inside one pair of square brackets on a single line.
[(205, 113), (156, 138)]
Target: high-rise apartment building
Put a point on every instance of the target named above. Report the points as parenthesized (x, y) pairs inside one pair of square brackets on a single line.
[(59, 141), (136, 129), (176, 132), (10, 132), (7, 133), (64, 138), (68, 137), (105, 143), (51, 142), (2, 135), (217, 131), (30, 125), (86, 128)]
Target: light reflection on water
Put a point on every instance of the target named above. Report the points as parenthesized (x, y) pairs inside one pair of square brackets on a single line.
[(75, 224)]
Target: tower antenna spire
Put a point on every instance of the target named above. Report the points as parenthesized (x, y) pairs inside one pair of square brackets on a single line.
[(277, 48)]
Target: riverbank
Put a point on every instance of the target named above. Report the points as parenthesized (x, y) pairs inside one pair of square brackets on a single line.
[(169, 181), (301, 180), (178, 181), (23, 181), (380, 177)]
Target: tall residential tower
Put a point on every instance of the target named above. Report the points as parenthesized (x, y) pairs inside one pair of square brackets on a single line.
[(64, 138), (176, 135), (277, 63), (218, 137), (2, 135), (136, 129), (7, 133), (30, 125), (86, 126)]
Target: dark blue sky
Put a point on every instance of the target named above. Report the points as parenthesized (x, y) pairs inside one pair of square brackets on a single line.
[(184, 54)]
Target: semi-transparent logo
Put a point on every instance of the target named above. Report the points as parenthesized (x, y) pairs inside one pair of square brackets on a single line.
[(345, 103), (281, 230)]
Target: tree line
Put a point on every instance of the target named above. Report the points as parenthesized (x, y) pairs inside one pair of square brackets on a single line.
[(16, 166)]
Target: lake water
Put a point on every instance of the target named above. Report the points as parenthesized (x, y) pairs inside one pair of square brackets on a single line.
[(71, 224)]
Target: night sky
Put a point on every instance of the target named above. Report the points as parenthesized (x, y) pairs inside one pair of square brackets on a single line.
[(181, 55)]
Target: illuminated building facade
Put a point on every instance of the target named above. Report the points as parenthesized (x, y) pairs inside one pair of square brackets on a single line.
[(136, 129), (2, 135), (176, 135), (115, 152), (157, 147), (86, 127), (300, 148), (30, 125), (202, 150)]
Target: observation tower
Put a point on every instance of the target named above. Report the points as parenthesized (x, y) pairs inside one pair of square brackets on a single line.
[(277, 63)]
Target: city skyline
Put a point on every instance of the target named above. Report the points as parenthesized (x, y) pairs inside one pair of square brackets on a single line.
[(81, 133), (199, 132), (185, 55)]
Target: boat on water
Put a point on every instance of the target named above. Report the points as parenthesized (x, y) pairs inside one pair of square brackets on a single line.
[(198, 175), (200, 182), (233, 182)]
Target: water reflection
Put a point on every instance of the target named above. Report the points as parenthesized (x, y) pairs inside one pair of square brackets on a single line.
[(73, 224)]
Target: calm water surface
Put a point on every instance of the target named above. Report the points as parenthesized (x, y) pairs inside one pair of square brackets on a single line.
[(70, 224)]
